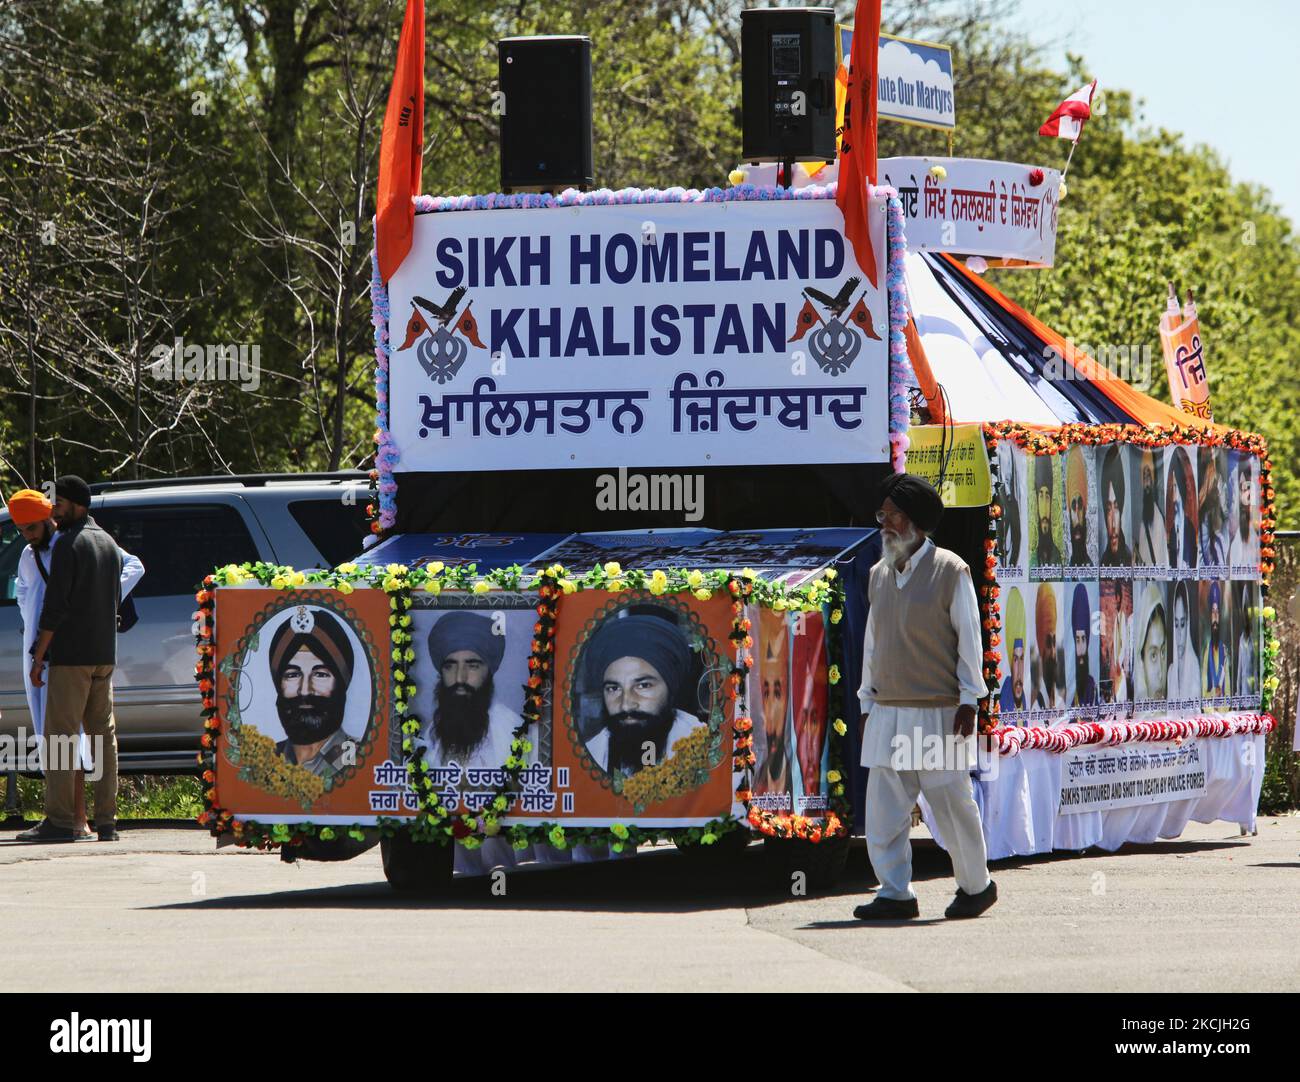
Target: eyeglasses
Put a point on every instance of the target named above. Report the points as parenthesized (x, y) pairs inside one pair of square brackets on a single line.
[(882, 515)]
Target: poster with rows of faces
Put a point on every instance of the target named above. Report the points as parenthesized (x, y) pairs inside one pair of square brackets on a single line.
[(1129, 582)]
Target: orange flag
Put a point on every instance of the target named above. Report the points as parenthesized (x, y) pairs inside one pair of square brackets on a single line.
[(401, 147), (468, 326), (415, 326), (858, 144), (805, 320), (862, 318)]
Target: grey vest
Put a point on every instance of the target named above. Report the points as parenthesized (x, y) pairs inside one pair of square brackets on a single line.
[(914, 659)]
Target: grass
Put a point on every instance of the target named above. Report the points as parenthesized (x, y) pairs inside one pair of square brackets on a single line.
[(139, 796)]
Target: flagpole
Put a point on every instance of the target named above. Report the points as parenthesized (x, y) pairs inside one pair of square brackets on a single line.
[(1070, 155)]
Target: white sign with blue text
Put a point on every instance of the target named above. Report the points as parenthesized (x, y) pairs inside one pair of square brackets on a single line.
[(652, 334)]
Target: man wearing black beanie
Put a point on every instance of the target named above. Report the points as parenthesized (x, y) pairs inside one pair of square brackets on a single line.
[(78, 639)]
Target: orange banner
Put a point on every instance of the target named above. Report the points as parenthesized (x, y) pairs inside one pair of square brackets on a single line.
[(1185, 364)]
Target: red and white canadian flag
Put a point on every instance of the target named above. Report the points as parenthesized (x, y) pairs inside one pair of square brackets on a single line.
[(1066, 121)]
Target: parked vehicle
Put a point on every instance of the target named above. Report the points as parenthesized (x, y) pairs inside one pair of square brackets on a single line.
[(181, 529)]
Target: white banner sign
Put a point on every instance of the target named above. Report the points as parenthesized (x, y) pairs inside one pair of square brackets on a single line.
[(1130, 775), (999, 210), (914, 80), (654, 334)]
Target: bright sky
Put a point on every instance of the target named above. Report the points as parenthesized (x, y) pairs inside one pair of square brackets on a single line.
[(1213, 71)]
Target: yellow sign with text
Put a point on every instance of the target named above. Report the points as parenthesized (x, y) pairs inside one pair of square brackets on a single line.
[(954, 459)]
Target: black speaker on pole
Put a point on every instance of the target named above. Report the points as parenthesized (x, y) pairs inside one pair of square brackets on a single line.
[(546, 127), (787, 73)]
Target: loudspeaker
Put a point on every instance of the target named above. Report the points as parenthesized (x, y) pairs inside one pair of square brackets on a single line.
[(787, 74), (546, 126)]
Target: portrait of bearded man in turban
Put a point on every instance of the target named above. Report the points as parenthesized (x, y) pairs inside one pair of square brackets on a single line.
[(1079, 506), (1013, 696), (311, 661), (1085, 685), (772, 772), (1047, 553), (467, 726), (1049, 690), (639, 664), (1214, 655), (1115, 551), (1150, 544)]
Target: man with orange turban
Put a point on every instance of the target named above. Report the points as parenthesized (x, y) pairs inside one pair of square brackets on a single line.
[(33, 514), (1049, 693)]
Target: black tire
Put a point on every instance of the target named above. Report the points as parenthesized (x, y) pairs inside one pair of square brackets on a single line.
[(821, 863), (342, 847), (416, 867)]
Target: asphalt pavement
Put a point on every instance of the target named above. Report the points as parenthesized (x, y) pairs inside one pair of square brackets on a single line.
[(164, 910)]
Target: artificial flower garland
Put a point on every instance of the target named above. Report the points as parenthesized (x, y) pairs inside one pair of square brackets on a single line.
[(434, 821), (1056, 441)]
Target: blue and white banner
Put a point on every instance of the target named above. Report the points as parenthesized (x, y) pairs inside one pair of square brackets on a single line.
[(915, 84), (650, 334)]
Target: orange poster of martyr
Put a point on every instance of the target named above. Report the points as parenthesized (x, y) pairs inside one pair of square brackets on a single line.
[(303, 686), (642, 724)]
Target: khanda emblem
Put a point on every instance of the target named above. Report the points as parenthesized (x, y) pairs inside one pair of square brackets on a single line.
[(438, 349), (833, 341)]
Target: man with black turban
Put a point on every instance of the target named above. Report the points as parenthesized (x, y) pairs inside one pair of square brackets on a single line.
[(1048, 552), (1085, 687), (467, 727), (311, 663), (640, 663), (1116, 552), (922, 675)]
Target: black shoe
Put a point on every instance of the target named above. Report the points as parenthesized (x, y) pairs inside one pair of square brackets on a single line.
[(45, 831), (888, 909), (108, 833), (965, 906)]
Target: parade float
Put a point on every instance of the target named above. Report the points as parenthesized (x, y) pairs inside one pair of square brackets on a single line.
[(628, 451)]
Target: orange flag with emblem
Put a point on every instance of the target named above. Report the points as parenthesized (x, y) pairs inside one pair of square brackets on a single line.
[(468, 326), (805, 320)]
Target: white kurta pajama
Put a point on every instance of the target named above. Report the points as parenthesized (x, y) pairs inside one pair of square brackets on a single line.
[(914, 750), (29, 592)]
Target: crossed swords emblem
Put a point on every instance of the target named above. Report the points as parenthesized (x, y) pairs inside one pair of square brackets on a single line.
[(441, 352), (834, 345)]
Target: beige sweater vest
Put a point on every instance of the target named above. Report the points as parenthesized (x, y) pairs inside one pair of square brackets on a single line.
[(914, 646)]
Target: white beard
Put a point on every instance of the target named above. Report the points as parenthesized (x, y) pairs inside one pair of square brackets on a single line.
[(898, 546)]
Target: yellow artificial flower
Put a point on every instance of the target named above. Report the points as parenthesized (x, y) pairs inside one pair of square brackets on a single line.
[(433, 586), (615, 585), (703, 595), (612, 569), (435, 567), (347, 569), (481, 587), (658, 582), (839, 727), (695, 579), (345, 587)]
